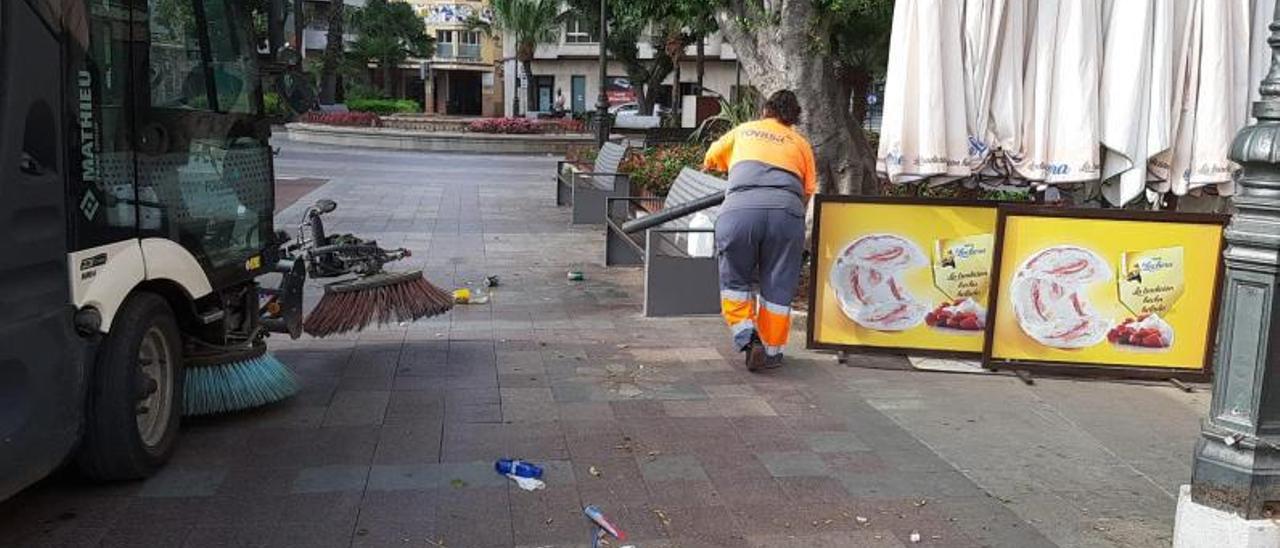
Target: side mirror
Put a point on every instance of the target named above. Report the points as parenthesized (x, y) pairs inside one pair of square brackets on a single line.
[(326, 206)]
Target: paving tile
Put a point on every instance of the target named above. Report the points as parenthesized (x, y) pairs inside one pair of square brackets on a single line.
[(683, 493), (744, 407), (413, 477), (459, 475), (548, 517), (717, 391), (394, 508), (814, 489), (178, 482), (793, 464), (618, 482), (475, 517), (637, 409), (318, 535), (690, 409), (311, 508), (835, 442), (376, 533), (586, 411), (246, 481), (664, 468), (703, 526), (143, 534), (409, 444), (328, 479), (282, 448)]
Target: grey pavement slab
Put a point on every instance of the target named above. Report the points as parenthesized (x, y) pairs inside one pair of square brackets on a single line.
[(392, 439)]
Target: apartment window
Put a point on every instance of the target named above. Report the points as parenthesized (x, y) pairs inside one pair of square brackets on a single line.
[(579, 31), (446, 44), (469, 44)]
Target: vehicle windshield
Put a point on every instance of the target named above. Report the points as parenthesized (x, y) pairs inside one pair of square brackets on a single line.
[(172, 143)]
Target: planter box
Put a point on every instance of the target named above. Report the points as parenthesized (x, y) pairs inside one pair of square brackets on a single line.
[(427, 141)]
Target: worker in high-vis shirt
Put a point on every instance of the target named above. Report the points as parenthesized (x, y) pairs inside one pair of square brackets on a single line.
[(760, 230)]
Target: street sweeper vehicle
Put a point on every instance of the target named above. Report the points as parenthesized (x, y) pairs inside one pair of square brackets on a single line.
[(136, 204)]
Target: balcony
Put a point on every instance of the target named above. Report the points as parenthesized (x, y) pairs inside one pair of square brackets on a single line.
[(446, 51)]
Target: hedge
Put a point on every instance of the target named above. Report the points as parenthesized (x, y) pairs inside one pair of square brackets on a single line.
[(384, 106)]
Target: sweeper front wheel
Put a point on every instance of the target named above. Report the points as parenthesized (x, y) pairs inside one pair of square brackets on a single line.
[(135, 396)]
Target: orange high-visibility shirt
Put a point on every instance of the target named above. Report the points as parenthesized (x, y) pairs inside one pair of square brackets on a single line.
[(768, 142)]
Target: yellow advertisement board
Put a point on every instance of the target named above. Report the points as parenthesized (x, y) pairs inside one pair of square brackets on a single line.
[(911, 276), (1095, 288)]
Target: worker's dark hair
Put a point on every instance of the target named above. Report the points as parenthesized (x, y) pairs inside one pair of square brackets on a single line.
[(783, 107)]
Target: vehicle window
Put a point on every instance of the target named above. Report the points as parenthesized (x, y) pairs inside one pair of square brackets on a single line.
[(231, 60), (178, 76), (200, 159)]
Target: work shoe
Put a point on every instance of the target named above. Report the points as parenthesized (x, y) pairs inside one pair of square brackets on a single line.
[(773, 362), (755, 355)]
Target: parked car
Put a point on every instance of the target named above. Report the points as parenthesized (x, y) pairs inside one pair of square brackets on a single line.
[(633, 109)]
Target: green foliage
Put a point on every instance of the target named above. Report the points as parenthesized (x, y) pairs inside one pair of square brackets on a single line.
[(384, 106), (731, 115), (656, 168), (528, 22), (273, 105), (389, 33), (663, 21)]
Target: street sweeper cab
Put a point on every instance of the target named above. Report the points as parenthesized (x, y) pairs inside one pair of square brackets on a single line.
[(136, 202)]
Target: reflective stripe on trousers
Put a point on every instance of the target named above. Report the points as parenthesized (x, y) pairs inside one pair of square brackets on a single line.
[(759, 248)]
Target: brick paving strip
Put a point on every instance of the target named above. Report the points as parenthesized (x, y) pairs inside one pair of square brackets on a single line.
[(392, 441)]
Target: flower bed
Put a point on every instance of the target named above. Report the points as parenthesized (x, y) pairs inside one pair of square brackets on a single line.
[(348, 119), (524, 126), (655, 169)]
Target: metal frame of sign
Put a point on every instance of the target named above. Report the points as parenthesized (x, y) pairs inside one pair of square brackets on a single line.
[(1102, 370), (811, 341)]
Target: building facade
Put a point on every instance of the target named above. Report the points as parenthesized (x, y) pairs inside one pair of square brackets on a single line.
[(571, 67), (464, 78)]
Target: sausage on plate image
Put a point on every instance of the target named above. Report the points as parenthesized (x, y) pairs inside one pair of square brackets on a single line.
[(1049, 297), (867, 279)]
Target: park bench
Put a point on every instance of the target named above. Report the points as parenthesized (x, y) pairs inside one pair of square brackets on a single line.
[(586, 191), (680, 270)]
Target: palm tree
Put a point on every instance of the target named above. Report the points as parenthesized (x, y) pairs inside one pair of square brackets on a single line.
[(334, 51), (528, 23)]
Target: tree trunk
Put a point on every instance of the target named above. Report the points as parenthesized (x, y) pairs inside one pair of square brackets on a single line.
[(388, 75), (676, 103), (333, 52), (531, 90), (275, 28), (650, 81), (860, 80), (781, 56), (702, 62)]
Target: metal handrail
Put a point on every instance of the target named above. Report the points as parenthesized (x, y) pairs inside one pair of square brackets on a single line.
[(671, 213)]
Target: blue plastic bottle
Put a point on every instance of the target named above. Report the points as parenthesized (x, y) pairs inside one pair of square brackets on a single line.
[(517, 468)]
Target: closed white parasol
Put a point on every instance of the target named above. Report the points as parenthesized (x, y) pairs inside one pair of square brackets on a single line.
[(923, 131), (1136, 92), (1060, 99), (1211, 91), (994, 58)]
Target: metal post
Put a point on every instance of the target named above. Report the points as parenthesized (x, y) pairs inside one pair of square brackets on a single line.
[(602, 101), (1237, 460)]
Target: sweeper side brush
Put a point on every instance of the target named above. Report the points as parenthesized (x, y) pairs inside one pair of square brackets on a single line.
[(382, 298), (232, 381)]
